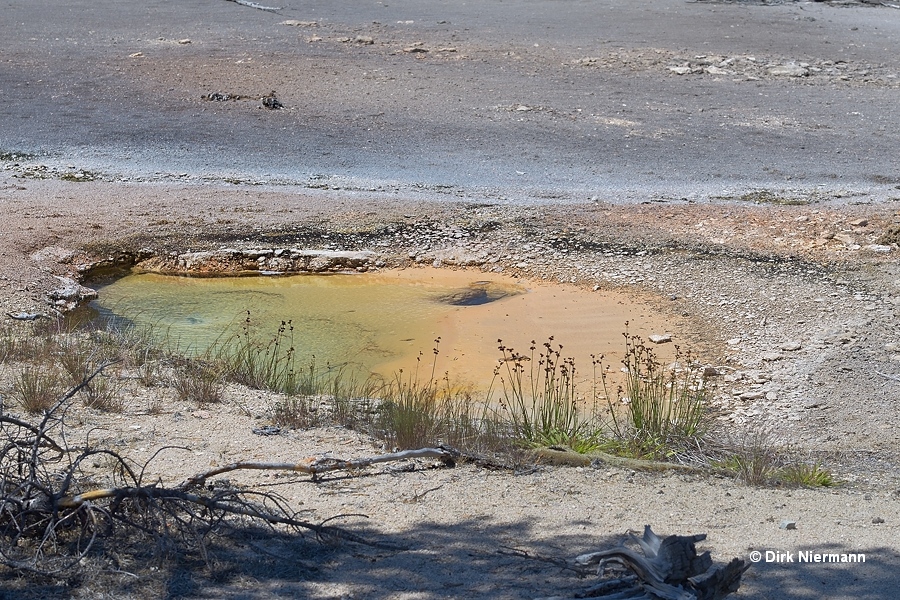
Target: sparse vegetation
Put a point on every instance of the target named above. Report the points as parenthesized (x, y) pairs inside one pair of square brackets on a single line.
[(103, 393), (538, 396), (296, 412), (752, 456), (666, 406), (806, 475), (199, 382), (756, 459), (659, 412), (76, 355), (37, 388), (31, 343), (267, 366)]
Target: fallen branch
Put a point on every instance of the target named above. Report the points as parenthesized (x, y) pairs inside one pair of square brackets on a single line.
[(257, 6), (559, 562), (49, 522), (315, 465), (888, 376), (562, 456), (24, 316)]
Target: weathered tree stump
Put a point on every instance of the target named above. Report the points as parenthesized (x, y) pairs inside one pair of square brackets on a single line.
[(664, 569)]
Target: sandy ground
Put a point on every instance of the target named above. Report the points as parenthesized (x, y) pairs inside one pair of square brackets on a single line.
[(758, 209)]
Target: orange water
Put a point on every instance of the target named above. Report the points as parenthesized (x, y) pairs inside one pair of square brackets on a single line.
[(381, 322)]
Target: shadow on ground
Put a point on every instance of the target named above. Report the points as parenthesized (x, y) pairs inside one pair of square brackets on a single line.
[(463, 560), (874, 579)]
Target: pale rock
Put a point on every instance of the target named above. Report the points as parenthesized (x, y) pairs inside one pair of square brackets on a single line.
[(54, 253), (70, 292), (844, 238), (791, 70), (791, 346), (657, 338)]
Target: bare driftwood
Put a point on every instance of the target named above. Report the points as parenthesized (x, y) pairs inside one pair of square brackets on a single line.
[(664, 569), (315, 465), (257, 6), (51, 517), (563, 456), (888, 376)]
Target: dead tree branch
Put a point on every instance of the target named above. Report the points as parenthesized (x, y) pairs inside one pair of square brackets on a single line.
[(257, 6), (315, 465), (50, 519), (888, 376)]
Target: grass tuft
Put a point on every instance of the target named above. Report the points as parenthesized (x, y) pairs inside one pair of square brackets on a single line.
[(297, 412), (752, 455), (538, 395), (806, 475), (267, 366), (37, 388), (102, 393), (28, 342), (199, 382), (666, 406)]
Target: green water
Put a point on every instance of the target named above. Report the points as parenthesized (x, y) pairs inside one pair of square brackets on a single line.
[(353, 321)]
